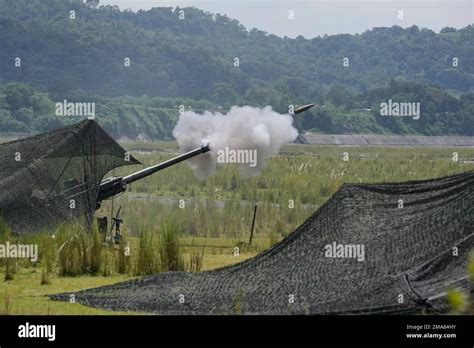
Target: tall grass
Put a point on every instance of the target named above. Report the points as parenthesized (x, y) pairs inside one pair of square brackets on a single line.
[(123, 259), (170, 253), (305, 177), (10, 263), (148, 262), (47, 257), (222, 207), (10, 268), (95, 251), (196, 260), (79, 251), (306, 174), (74, 251)]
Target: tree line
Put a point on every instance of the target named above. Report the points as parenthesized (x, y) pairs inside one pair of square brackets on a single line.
[(140, 66)]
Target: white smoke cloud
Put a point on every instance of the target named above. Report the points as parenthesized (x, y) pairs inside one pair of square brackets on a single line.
[(242, 128)]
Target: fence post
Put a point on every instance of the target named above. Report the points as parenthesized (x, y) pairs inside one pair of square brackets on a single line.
[(253, 223)]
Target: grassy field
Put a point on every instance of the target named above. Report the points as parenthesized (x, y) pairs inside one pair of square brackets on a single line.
[(289, 190), (172, 221), (25, 294)]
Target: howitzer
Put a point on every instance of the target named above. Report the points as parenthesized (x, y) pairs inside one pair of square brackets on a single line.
[(47, 188), (114, 186)]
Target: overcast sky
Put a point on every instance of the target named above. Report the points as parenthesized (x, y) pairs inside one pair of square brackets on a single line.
[(319, 17)]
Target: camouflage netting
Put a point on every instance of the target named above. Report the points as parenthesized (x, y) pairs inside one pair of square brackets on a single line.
[(54, 177), (410, 260)]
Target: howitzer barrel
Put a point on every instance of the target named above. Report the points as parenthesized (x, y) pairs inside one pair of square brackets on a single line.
[(116, 185), (153, 169)]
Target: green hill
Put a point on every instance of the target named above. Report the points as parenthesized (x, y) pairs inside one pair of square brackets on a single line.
[(82, 55)]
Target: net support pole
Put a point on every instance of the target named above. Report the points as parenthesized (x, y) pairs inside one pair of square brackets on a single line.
[(253, 223)]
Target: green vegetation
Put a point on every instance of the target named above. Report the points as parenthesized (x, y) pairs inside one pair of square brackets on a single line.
[(26, 295), (170, 253), (458, 300), (346, 112), (462, 302), (222, 205), (26, 292), (190, 62), (194, 57), (24, 109), (212, 230)]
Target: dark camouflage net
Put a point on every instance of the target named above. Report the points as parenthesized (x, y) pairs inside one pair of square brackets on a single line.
[(410, 260), (54, 177)]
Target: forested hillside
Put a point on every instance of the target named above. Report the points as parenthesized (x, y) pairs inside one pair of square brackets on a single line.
[(209, 61)]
